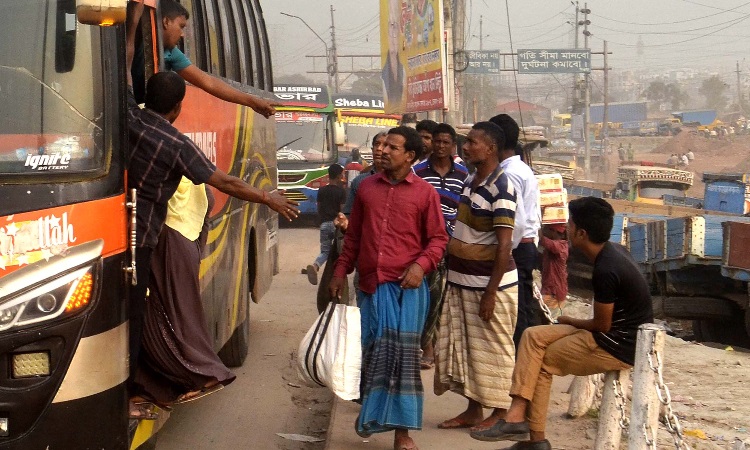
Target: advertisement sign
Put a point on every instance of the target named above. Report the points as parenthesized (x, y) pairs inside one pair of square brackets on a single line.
[(411, 50), (482, 62), (554, 61), (302, 96), (358, 102)]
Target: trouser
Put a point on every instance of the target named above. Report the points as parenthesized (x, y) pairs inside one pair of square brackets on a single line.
[(436, 284), (555, 350), (327, 232), (137, 304), (529, 311)]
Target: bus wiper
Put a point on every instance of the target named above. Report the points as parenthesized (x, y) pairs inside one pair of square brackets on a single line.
[(289, 143)]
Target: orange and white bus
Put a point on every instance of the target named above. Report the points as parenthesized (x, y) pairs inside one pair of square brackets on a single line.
[(66, 216)]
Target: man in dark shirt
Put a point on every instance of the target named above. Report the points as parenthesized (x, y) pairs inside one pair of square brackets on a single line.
[(447, 177), (159, 156), (622, 303), (330, 199)]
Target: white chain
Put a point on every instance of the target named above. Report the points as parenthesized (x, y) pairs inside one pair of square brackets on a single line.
[(662, 392), (620, 403)]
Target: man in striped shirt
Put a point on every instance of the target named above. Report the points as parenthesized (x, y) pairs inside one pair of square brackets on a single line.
[(475, 352), (447, 177)]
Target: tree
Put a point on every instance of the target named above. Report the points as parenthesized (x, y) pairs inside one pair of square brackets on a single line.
[(660, 92), (713, 89), (370, 84)]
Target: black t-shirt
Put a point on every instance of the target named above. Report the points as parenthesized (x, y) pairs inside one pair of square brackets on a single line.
[(330, 199), (617, 280)]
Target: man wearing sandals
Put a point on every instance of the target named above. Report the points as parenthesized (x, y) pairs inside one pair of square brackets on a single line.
[(396, 234), (622, 303), (475, 351)]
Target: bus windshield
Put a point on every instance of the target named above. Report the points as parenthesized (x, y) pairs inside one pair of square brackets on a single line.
[(657, 189), (50, 72), (360, 136), (302, 137)]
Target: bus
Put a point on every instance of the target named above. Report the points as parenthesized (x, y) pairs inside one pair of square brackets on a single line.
[(67, 216), (363, 117), (308, 135), (648, 182)]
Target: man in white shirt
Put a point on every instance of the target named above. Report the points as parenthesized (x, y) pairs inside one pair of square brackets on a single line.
[(528, 222)]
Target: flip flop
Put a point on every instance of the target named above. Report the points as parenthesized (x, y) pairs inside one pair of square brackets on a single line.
[(426, 363), (142, 411), (456, 423), (195, 395)]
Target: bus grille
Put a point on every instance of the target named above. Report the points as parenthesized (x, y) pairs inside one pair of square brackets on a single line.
[(290, 178)]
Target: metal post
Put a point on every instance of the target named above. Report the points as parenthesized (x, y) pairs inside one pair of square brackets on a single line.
[(605, 124), (576, 95), (321, 40), (609, 431), (459, 44), (739, 89), (334, 55), (586, 99), (644, 413), (450, 73), (481, 76)]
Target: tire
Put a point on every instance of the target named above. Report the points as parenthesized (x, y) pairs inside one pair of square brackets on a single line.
[(700, 308), (234, 352)]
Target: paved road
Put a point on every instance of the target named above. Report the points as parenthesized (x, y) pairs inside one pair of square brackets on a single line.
[(248, 413)]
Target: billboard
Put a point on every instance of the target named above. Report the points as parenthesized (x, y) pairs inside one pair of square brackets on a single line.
[(482, 62), (411, 50), (569, 60)]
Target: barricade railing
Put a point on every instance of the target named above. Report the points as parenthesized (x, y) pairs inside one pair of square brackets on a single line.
[(650, 394)]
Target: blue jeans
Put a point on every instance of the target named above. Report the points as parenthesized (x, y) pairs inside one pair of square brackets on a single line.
[(327, 232)]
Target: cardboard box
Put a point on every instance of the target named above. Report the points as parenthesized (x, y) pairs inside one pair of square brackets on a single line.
[(555, 214), (551, 182), (553, 198)]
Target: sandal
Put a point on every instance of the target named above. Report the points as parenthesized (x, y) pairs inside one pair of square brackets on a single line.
[(142, 411), (195, 395), (426, 363)]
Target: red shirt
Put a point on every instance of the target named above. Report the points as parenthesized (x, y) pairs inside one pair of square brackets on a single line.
[(391, 227), (554, 267)]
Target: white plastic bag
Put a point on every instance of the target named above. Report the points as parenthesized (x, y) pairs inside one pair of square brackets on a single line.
[(330, 354)]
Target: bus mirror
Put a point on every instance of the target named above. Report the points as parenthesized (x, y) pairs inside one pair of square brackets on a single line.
[(101, 12), (339, 133)]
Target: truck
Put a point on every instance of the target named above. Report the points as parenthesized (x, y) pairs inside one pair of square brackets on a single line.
[(619, 112), (727, 192), (648, 182), (696, 118)]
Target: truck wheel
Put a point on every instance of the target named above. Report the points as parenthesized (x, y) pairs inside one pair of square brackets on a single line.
[(234, 352)]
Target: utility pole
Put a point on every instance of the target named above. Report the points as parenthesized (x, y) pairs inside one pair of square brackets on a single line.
[(605, 124), (576, 94), (459, 44), (481, 76), (587, 96), (334, 55), (450, 72), (739, 89)]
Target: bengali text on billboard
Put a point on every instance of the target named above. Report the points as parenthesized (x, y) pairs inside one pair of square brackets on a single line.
[(554, 61), (482, 61), (411, 38)]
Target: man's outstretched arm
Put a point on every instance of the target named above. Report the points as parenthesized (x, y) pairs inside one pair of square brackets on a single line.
[(237, 188), (222, 90)]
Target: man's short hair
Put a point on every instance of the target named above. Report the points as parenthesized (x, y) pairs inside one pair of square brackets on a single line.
[(444, 128), (172, 10), (376, 137), (494, 132), (594, 215), (510, 128), (426, 125), (164, 91), (413, 141), (335, 171)]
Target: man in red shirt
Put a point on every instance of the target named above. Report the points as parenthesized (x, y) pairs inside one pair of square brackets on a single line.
[(396, 235)]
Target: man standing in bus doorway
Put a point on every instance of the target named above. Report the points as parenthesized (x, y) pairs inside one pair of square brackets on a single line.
[(527, 224), (475, 352), (174, 19), (447, 177), (159, 156), (330, 199), (396, 234)]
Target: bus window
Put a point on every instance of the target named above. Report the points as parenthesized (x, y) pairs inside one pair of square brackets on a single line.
[(195, 33), (52, 119), (246, 52), (229, 37), (264, 57), (255, 37), (214, 38)]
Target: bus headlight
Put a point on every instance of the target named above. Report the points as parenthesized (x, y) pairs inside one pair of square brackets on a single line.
[(64, 295)]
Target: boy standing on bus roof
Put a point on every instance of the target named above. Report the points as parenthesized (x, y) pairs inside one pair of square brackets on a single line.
[(174, 20), (159, 156)]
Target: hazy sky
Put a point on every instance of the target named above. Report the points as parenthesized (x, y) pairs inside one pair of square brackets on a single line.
[(674, 33)]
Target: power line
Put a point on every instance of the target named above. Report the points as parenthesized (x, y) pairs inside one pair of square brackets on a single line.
[(671, 23), (686, 32)]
